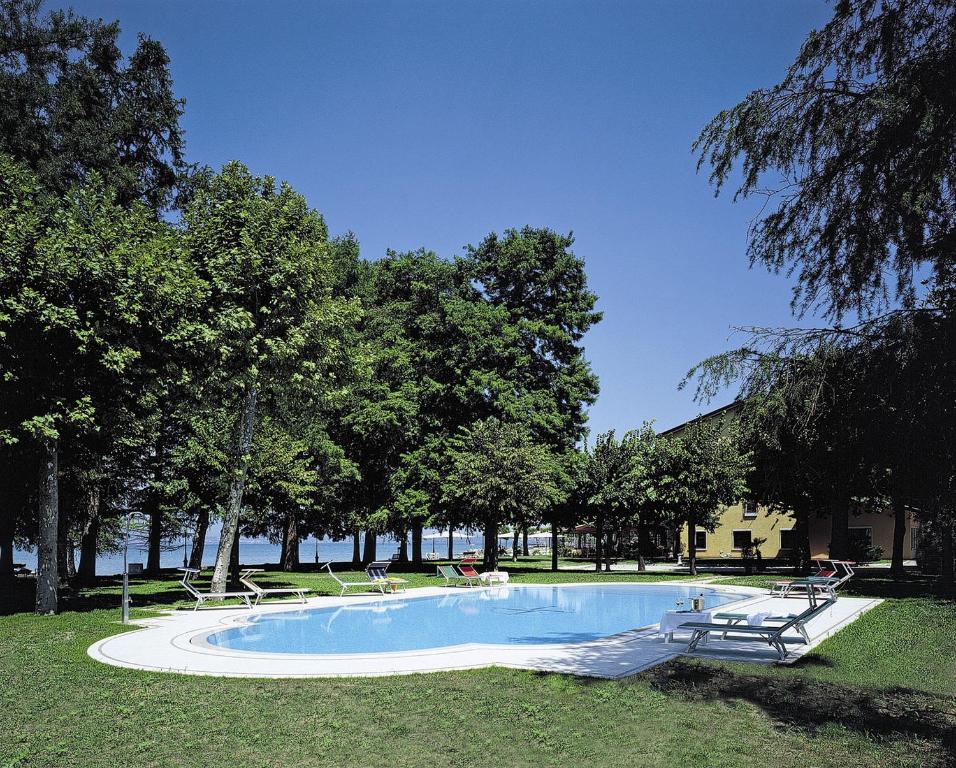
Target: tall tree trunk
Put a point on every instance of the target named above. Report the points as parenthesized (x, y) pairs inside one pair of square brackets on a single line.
[(524, 540), (491, 547), (290, 544), (840, 527), (417, 543), (692, 547), (357, 547), (554, 545), (641, 534), (599, 541), (370, 552), (87, 569), (199, 539), (237, 484), (946, 570), (70, 560), (514, 546), (154, 509), (155, 539), (49, 512), (403, 547), (899, 535), (451, 542), (7, 523), (234, 562), (801, 534)]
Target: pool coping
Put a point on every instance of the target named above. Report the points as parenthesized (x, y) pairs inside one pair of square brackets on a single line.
[(175, 642)]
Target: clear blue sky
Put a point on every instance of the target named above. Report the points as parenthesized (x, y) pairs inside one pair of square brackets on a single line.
[(433, 123)]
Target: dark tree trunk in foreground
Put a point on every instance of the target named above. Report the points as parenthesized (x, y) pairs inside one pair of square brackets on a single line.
[(234, 562), (840, 528), (417, 544), (155, 537), (599, 542), (237, 484), (801, 534), (491, 547), (403, 547), (899, 535), (554, 546), (87, 570), (641, 534), (371, 547), (48, 508), (6, 545), (199, 539), (357, 547), (514, 547), (946, 553), (290, 544), (692, 547), (451, 543), (524, 540)]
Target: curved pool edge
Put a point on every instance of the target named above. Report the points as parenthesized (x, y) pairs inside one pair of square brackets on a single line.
[(167, 644)]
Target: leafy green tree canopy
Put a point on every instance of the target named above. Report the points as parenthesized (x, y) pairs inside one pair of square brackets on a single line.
[(70, 105)]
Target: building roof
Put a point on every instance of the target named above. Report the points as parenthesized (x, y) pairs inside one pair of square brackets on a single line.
[(730, 407)]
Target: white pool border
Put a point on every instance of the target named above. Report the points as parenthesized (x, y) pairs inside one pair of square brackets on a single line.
[(175, 642)]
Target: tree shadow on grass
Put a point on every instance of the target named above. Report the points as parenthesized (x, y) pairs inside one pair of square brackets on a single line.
[(811, 704)]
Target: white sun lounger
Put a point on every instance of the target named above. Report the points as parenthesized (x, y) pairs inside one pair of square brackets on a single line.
[(201, 597), (379, 584), (772, 635), (264, 592)]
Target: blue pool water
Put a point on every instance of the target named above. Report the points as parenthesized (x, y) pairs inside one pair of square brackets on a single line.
[(507, 615)]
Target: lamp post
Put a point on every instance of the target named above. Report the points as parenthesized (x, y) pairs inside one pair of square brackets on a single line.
[(185, 557)]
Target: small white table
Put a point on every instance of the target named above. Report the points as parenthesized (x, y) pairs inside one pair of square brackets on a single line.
[(494, 577), (672, 621)]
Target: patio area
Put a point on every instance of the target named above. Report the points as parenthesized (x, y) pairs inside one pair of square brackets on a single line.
[(176, 642)]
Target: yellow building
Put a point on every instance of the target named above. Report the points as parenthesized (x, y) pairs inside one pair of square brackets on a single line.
[(743, 523)]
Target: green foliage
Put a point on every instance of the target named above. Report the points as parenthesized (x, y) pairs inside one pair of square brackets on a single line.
[(70, 105), (500, 476)]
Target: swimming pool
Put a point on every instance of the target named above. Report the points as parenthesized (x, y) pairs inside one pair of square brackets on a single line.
[(526, 615)]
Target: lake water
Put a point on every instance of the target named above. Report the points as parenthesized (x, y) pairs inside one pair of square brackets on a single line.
[(256, 552)]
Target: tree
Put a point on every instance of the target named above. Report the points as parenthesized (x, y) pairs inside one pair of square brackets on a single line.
[(498, 476), (78, 286), (264, 258), (605, 471), (70, 105), (536, 373), (706, 470), (853, 151), (643, 487)]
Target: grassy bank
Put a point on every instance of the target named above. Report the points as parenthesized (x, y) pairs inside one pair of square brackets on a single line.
[(882, 692)]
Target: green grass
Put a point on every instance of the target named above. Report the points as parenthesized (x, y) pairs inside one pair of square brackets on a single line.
[(880, 693)]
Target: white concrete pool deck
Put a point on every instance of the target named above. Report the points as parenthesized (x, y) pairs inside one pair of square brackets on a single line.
[(174, 642)]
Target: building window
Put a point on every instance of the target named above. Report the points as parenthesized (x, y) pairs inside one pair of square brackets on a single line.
[(742, 539), (700, 540), (750, 510), (788, 538)]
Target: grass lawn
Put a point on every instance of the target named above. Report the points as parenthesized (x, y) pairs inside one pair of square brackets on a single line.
[(882, 692)]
